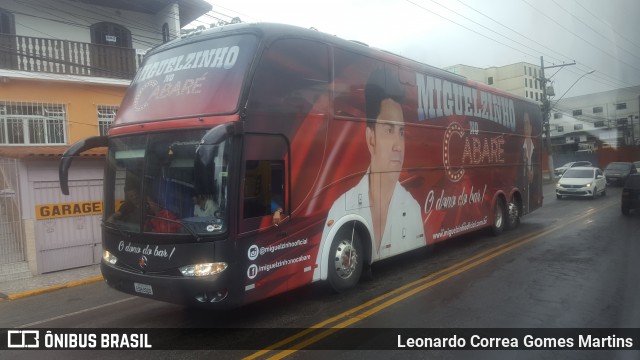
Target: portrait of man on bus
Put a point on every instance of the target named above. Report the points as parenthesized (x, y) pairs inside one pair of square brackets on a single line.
[(393, 213), (528, 151)]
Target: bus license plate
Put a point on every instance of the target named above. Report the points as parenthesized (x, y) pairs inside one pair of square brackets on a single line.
[(143, 288)]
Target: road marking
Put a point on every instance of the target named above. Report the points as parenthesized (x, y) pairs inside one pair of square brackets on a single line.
[(384, 301), (77, 312)]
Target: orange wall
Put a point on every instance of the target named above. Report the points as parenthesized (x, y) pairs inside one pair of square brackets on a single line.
[(80, 99)]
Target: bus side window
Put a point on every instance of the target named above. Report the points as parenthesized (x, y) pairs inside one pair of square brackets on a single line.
[(265, 176), (292, 77)]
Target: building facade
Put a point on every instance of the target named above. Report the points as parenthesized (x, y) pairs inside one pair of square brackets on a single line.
[(599, 127), (64, 68), (522, 79)]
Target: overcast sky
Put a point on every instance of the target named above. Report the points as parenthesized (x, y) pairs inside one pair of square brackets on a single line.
[(598, 35)]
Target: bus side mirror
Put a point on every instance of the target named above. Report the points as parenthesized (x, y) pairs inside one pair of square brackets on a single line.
[(74, 150)]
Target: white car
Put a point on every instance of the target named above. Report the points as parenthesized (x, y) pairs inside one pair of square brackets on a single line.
[(582, 182), (559, 171)]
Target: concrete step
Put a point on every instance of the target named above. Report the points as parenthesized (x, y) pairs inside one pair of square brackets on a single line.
[(14, 271)]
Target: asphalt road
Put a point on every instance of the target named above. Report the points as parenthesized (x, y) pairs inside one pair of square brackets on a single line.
[(571, 264)]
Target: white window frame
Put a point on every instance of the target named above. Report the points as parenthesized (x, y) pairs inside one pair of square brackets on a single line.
[(106, 114), (34, 127)]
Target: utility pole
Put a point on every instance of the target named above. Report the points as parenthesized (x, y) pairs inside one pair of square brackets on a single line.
[(546, 110)]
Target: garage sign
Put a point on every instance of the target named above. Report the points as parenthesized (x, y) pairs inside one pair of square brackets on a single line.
[(50, 211)]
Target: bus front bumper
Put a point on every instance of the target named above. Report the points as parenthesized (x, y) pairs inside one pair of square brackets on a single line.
[(208, 291)]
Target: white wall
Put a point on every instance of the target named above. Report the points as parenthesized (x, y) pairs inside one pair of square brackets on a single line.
[(71, 20)]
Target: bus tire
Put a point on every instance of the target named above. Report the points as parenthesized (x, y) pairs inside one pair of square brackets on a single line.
[(513, 215), (499, 217), (345, 260)]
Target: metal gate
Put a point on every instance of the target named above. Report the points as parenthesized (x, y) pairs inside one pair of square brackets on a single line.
[(11, 248), (72, 241)]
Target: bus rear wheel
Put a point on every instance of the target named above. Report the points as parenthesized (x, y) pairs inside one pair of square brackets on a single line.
[(345, 261), (499, 217), (513, 215)]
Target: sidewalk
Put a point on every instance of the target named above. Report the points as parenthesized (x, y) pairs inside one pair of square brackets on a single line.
[(38, 284)]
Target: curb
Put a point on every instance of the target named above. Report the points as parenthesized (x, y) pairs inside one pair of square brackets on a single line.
[(47, 289)]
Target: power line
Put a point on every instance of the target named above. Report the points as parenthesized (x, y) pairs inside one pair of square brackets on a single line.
[(580, 37), (514, 31), (465, 27), (608, 81), (609, 26), (594, 30)]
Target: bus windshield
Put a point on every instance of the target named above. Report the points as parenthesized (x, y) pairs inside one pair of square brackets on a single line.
[(194, 79), (158, 183)]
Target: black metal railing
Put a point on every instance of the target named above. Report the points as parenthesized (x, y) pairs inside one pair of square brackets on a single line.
[(25, 53)]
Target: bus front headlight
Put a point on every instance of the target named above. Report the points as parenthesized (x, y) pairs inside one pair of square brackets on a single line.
[(205, 269), (109, 257)]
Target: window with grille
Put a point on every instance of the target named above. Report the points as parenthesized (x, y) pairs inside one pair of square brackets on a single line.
[(23, 123), (106, 114)]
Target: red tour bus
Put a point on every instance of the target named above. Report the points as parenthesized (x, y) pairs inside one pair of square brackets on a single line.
[(252, 159)]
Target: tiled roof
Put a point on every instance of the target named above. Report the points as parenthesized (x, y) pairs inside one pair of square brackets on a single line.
[(22, 152)]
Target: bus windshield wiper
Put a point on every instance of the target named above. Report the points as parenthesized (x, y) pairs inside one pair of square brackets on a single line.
[(189, 229), (114, 226)]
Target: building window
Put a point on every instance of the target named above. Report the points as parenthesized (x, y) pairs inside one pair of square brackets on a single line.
[(621, 106), (597, 110), (557, 115), (525, 82), (535, 72), (526, 93), (560, 128), (106, 114), (24, 123), (577, 126), (165, 33), (7, 24), (529, 70), (622, 121), (577, 112), (106, 33), (536, 96), (598, 124), (490, 80), (530, 83)]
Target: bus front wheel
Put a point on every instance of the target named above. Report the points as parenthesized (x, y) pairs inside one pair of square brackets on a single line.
[(345, 260)]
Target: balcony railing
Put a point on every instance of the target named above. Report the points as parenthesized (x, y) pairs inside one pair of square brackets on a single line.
[(26, 53)]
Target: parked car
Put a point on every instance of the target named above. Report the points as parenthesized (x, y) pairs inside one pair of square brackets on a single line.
[(618, 172), (583, 182), (559, 171), (631, 194)]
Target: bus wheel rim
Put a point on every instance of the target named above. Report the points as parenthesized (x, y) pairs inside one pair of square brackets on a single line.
[(346, 259), (499, 217)]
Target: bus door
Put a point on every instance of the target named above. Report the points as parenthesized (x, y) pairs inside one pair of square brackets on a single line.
[(270, 250)]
